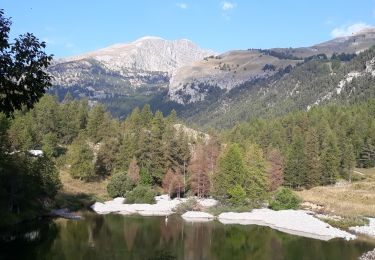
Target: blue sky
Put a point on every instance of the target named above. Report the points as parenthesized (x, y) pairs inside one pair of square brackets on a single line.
[(71, 27)]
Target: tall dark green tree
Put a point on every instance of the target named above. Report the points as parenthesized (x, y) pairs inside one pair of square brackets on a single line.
[(314, 168), (296, 164), (330, 158)]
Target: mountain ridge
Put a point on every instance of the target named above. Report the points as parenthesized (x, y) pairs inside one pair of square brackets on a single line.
[(209, 86)]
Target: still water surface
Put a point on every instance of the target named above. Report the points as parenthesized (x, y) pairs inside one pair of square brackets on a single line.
[(135, 237)]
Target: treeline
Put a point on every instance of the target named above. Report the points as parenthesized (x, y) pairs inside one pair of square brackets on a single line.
[(318, 147), (145, 154)]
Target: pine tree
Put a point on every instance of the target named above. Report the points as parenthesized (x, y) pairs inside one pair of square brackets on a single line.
[(145, 177), (256, 182), (146, 116), (81, 158), (105, 163), (347, 161), (99, 124), (133, 171), (199, 172), (296, 169), (275, 169), (126, 150), (330, 159), (314, 168), (367, 154), (231, 171)]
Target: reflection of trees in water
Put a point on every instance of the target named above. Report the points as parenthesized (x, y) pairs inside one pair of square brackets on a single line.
[(198, 239), (20, 241), (135, 237), (130, 233)]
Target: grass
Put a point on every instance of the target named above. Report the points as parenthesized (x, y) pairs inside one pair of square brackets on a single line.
[(349, 200), (217, 210), (76, 194), (347, 222)]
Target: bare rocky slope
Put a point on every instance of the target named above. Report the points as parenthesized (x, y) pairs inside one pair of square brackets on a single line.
[(226, 71), (120, 69), (218, 90)]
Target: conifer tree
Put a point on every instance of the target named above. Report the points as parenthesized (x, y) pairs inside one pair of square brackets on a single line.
[(296, 170), (314, 168), (330, 159), (133, 171), (275, 169), (81, 159)]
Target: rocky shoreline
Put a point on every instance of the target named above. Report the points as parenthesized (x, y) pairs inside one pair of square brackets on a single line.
[(296, 222)]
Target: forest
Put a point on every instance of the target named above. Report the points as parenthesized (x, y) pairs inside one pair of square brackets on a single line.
[(149, 153)]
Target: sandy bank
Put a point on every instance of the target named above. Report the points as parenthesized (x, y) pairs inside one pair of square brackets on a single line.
[(296, 222)]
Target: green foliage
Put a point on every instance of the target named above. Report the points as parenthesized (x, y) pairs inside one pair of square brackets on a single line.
[(141, 194), (285, 198), (189, 205), (99, 124), (27, 186), (24, 63), (241, 178), (120, 185), (145, 177), (294, 89), (49, 144), (237, 195), (80, 157), (318, 146)]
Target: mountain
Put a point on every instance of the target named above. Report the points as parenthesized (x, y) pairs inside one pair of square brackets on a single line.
[(226, 71), (219, 90), (146, 54), (319, 80), (138, 69)]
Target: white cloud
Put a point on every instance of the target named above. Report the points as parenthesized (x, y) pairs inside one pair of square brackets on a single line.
[(227, 5), (349, 29), (182, 5)]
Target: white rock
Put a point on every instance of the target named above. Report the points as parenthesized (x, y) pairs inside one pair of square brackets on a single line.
[(368, 230), (297, 222), (36, 153), (207, 203), (197, 216)]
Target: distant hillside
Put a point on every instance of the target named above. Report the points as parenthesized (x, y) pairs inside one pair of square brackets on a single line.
[(217, 90), (229, 70), (316, 81), (138, 70)]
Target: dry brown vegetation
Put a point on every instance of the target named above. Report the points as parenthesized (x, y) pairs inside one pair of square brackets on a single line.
[(74, 186), (349, 200), (77, 194)]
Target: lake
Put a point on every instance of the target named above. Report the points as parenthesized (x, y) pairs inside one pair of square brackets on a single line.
[(135, 237)]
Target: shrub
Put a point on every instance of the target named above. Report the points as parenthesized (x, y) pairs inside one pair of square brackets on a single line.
[(141, 194), (119, 185), (285, 199), (237, 195), (190, 204)]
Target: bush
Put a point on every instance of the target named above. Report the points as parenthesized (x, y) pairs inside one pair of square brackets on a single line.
[(119, 185), (141, 194), (190, 204), (237, 195), (285, 199)]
